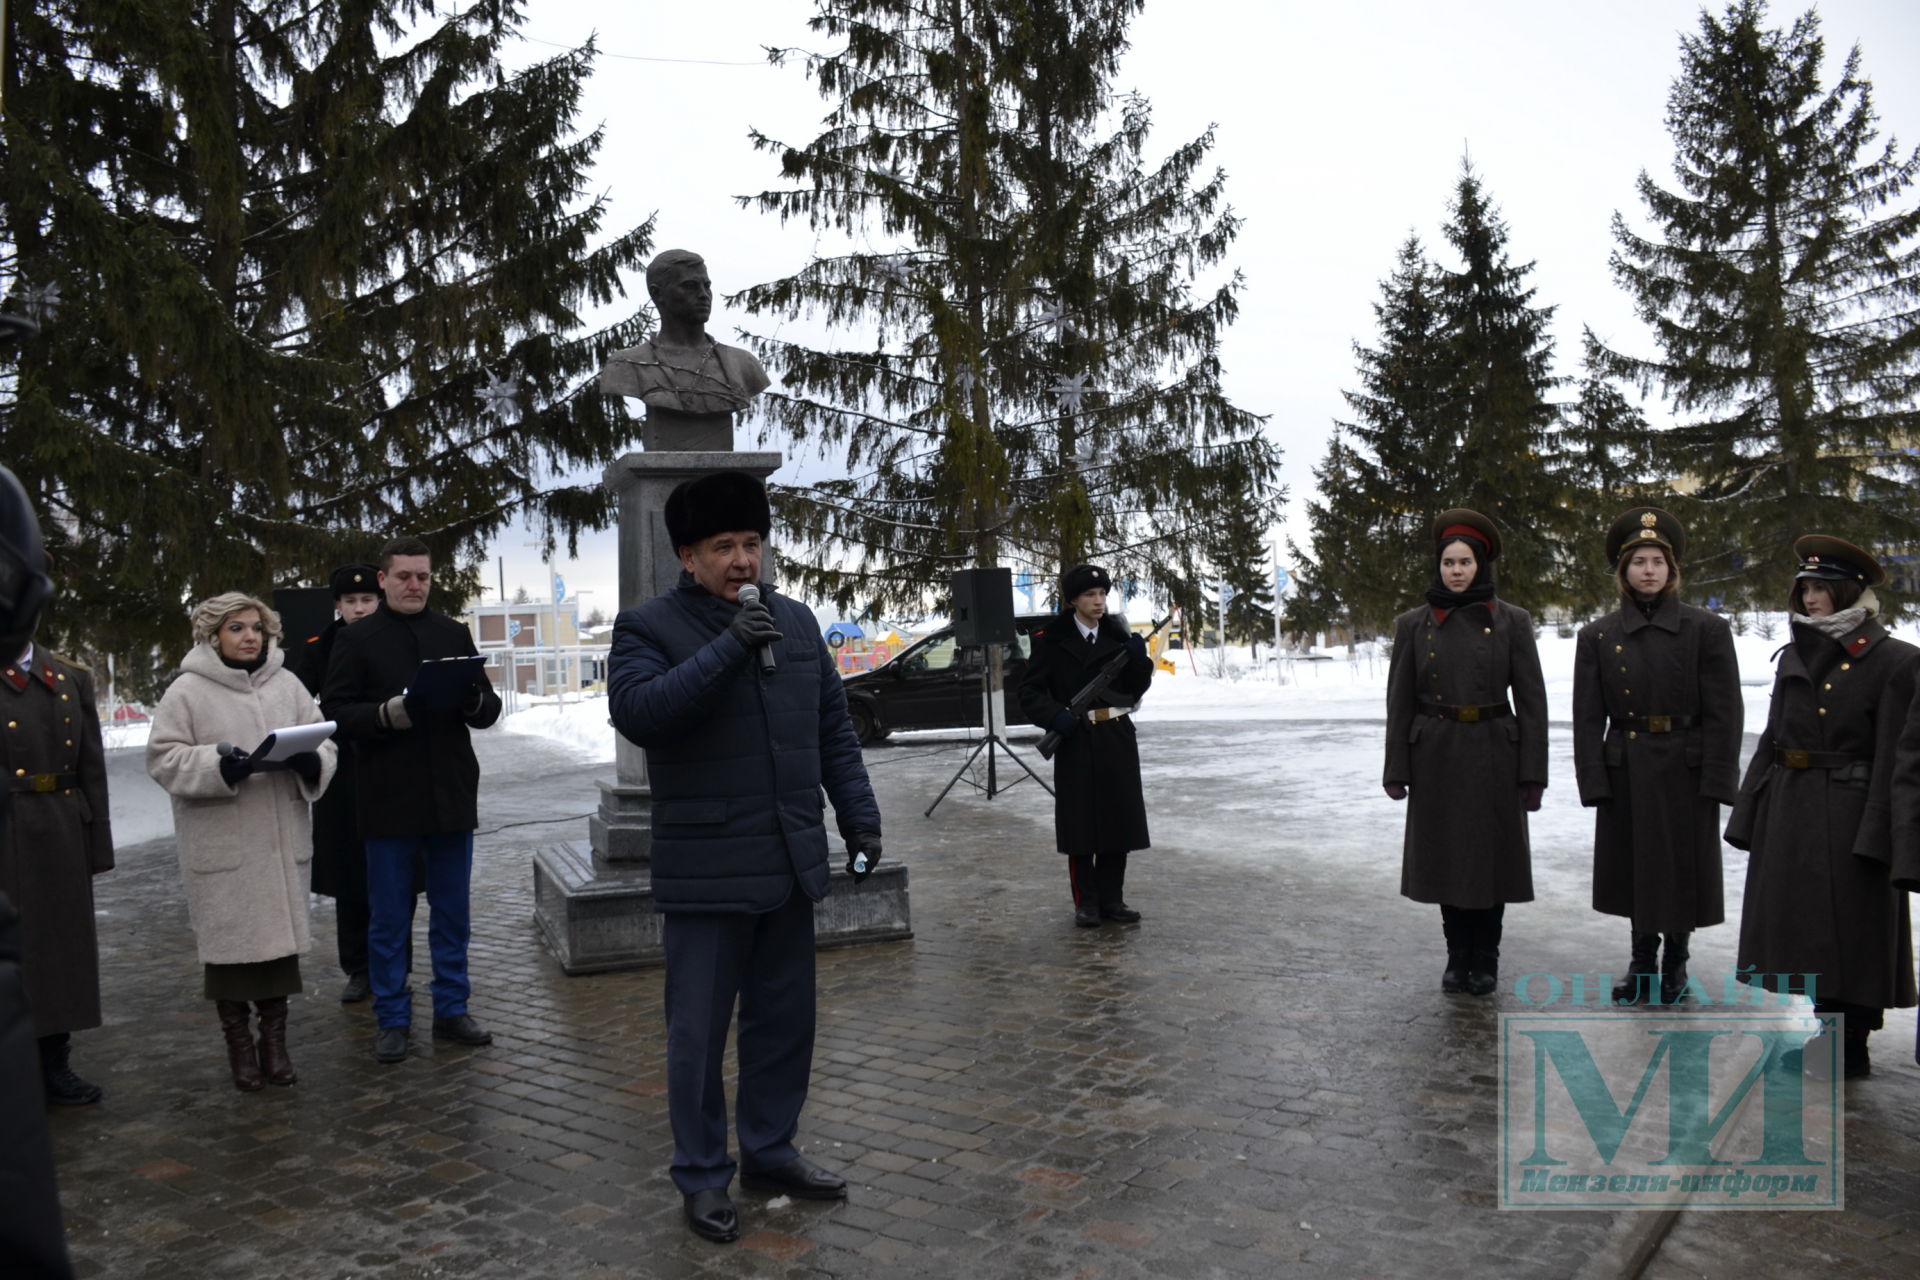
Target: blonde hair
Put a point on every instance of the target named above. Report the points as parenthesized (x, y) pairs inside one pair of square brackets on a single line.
[(1626, 555), (211, 614)]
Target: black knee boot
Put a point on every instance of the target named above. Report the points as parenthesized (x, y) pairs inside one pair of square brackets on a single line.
[(1643, 971), (1673, 969), (1453, 979), (1086, 891), (1483, 955), (64, 1088)]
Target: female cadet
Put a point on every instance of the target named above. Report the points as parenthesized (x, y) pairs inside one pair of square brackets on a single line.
[(1099, 811), (1656, 746), (1473, 764), (1815, 812)]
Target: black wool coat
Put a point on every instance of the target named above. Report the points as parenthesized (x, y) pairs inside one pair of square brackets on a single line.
[(1657, 795), (1466, 838), (1099, 805), (409, 782), (737, 757), (339, 855), (1821, 866)]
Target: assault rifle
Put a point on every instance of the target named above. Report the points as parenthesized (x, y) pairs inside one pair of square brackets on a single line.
[(1094, 688)]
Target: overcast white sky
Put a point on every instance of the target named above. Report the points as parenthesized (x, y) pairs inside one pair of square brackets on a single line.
[(1341, 128)]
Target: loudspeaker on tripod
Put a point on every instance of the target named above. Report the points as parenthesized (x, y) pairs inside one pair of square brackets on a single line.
[(983, 606)]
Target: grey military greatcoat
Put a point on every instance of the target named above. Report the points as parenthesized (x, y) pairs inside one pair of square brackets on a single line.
[(58, 836), (1466, 838), (1657, 718), (1815, 815)]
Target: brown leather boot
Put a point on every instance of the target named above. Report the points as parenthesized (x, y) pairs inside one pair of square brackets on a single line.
[(241, 1058), (273, 1041)]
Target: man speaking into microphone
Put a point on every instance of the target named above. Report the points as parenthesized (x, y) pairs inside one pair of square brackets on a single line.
[(728, 687)]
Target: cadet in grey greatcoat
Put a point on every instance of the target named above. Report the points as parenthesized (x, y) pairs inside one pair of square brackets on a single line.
[(1470, 764), (1815, 812), (1657, 715)]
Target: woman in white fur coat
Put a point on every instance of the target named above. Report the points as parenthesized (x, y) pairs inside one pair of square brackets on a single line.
[(242, 830)]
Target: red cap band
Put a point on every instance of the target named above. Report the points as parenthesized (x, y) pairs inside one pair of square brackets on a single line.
[(1462, 530)]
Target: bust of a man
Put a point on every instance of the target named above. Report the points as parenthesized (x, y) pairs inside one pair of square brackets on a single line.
[(692, 386)]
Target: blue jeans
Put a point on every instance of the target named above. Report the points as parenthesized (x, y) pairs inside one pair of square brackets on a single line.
[(448, 857)]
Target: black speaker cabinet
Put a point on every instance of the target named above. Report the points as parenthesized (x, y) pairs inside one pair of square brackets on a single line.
[(304, 613), (983, 606)]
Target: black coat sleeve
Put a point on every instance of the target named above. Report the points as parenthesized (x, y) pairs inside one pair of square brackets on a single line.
[(346, 696)]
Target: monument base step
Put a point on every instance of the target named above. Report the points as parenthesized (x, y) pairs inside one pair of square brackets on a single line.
[(596, 918)]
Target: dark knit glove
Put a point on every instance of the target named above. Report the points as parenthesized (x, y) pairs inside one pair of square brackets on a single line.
[(864, 845), (306, 764), (236, 768)]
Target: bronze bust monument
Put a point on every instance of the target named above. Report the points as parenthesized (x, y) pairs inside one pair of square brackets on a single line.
[(692, 385)]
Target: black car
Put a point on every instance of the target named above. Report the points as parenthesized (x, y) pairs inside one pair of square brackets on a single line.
[(935, 683)]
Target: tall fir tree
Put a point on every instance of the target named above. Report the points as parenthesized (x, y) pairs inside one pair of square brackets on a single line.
[(1454, 409), (1500, 403), (1039, 380), (1386, 467), (1781, 283), (319, 271), (1604, 456)]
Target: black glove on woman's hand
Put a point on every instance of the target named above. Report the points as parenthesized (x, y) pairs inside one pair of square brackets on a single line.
[(753, 626), (306, 764), (1065, 723), (236, 769), (866, 843)]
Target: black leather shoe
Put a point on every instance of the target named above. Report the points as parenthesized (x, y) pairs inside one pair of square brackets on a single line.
[(1120, 911), (798, 1177), (356, 990), (461, 1030), (1087, 915), (710, 1215), (1453, 978), (390, 1044), (65, 1089)]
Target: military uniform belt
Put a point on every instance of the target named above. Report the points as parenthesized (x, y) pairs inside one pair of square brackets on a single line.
[(43, 783), (1655, 724), (1466, 715), (1791, 758), (1100, 715)]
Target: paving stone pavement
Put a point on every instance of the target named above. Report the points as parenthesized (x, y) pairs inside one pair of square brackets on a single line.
[(1261, 1079)]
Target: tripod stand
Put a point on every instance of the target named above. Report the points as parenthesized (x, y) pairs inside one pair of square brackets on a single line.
[(989, 744)]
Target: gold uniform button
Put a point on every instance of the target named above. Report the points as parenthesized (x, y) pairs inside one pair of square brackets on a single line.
[(1826, 686), (1628, 692), (1486, 631), (63, 697), (69, 741), (63, 677), (1823, 711), (13, 724), (1618, 648), (1623, 671), (1632, 734), (19, 773), (1846, 666)]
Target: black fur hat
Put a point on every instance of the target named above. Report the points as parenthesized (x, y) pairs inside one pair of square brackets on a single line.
[(356, 579), (722, 502), (1083, 577)]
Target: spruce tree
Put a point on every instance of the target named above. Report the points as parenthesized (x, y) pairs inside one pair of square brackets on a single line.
[(319, 273), (1029, 374), (1780, 280), (1498, 404), (1370, 546), (1604, 457)]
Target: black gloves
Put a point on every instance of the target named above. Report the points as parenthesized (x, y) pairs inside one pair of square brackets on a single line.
[(236, 768), (1137, 648), (1065, 723), (865, 844), (306, 764), (753, 626)]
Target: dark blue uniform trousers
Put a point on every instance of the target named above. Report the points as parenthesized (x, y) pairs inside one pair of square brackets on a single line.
[(448, 857), (766, 961)]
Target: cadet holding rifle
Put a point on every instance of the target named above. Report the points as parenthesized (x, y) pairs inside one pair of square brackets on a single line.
[(1100, 811)]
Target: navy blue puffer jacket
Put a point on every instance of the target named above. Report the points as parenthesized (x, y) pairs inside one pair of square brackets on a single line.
[(736, 758)]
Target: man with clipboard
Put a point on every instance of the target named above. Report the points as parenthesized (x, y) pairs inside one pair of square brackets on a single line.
[(405, 686)]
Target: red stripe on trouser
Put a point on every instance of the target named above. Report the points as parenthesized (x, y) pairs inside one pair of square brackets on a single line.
[(1073, 878)]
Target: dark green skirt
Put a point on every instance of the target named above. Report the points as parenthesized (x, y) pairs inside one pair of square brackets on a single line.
[(261, 980)]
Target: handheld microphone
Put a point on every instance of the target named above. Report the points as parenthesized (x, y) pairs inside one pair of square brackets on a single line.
[(750, 594), (226, 749)]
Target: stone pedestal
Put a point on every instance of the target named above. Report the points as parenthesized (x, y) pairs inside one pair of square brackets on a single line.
[(593, 902), (596, 918)]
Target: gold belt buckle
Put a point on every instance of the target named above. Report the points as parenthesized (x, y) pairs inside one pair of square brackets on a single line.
[(1101, 715), (44, 782), (1794, 759), (1468, 715), (1659, 724)]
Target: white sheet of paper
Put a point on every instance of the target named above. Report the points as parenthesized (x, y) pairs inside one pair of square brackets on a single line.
[(295, 738)]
